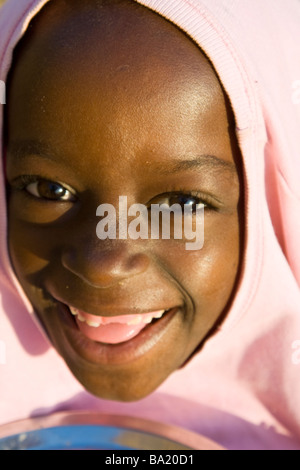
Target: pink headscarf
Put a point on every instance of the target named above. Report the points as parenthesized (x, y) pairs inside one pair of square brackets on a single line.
[(243, 389)]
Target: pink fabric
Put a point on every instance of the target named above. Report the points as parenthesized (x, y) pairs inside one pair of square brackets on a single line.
[(243, 389)]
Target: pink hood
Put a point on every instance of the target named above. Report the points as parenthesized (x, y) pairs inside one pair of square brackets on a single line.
[(243, 389)]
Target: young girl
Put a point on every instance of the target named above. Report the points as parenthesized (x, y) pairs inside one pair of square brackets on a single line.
[(183, 101)]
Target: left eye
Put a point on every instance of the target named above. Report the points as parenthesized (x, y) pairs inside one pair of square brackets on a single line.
[(184, 200), (50, 190), (181, 199)]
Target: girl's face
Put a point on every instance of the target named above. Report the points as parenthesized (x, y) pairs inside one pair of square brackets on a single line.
[(105, 102)]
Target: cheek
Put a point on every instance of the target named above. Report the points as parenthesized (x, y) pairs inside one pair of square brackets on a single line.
[(211, 280), (30, 247), (208, 275)]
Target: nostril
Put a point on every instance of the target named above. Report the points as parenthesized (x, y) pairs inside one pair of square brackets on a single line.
[(138, 263)]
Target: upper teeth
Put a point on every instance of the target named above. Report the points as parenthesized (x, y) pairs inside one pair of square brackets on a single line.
[(135, 321), (140, 318)]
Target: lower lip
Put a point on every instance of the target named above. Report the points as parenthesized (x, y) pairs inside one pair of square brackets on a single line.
[(121, 353)]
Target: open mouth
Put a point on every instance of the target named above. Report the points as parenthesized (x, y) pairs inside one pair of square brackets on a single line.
[(118, 340), (115, 329)]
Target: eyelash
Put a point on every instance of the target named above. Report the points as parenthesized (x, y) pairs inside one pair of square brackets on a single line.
[(210, 203), (22, 182)]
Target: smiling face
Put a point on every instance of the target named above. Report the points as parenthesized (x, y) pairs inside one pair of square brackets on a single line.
[(103, 102)]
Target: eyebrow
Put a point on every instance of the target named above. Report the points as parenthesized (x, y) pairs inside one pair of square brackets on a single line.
[(200, 161), (21, 149)]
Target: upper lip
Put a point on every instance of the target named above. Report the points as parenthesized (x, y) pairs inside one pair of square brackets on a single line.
[(135, 300)]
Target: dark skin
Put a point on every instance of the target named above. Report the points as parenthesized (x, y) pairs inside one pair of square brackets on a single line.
[(142, 114)]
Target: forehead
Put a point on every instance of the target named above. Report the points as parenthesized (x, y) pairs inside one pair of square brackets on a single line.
[(86, 66), (124, 28), (109, 42)]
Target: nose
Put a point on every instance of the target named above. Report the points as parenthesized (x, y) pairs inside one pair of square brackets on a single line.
[(101, 264)]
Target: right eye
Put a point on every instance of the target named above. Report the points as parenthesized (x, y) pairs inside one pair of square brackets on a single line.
[(50, 190)]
